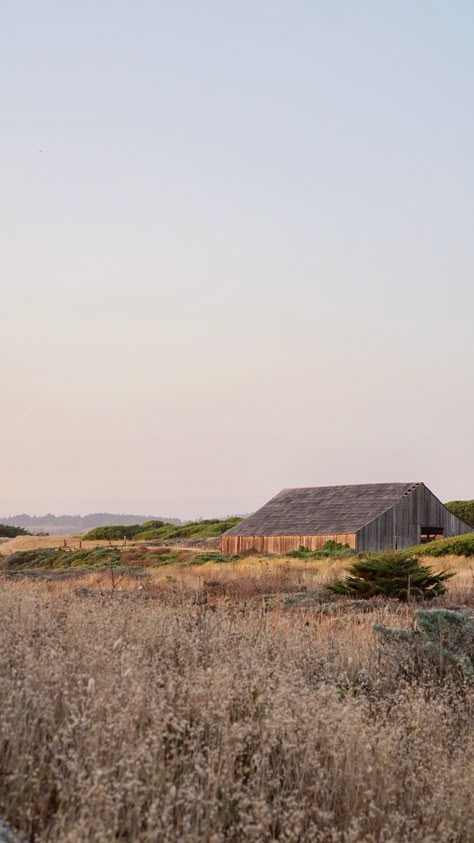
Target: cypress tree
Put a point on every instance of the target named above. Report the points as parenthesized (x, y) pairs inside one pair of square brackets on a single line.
[(391, 575)]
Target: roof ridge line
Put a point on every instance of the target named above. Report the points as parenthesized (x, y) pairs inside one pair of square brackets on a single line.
[(352, 485), (408, 492)]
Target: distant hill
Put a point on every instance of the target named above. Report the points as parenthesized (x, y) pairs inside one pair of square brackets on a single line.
[(67, 524)]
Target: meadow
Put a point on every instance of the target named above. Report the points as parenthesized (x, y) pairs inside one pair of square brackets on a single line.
[(228, 702)]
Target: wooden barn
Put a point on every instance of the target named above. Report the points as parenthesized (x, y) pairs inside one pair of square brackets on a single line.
[(374, 517)]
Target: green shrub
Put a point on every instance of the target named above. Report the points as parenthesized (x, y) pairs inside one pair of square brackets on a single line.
[(8, 532), (330, 548), (113, 532), (31, 559), (162, 534), (167, 557), (52, 558), (456, 545), (154, 524), (463, 509), (391, 575), (202, 558), (333, 545)]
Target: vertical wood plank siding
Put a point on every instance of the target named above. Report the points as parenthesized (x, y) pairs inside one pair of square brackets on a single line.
[(401, 526), (281, 544)]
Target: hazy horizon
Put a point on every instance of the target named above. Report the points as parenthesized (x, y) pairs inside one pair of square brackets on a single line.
[(43, 515), (236, 252)]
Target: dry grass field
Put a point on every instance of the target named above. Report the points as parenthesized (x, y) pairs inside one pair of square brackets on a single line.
[(37, 542), (230, 702)]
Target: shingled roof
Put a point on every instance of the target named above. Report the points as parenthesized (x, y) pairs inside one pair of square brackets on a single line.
[(322, 510)]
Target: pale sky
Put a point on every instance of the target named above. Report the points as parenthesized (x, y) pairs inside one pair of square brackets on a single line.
[(236, 250)]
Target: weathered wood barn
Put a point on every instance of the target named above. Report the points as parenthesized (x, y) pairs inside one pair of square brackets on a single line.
[(374, 517)]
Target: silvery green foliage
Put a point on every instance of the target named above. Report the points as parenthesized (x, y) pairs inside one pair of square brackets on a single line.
[(7, 835), (394, 634), (444, 636)]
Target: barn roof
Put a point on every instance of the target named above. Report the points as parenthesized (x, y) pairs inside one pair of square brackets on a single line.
[(322, 510)]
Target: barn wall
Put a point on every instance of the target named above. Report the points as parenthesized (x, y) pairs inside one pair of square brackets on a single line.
[(401, 526), (280, 544), (379, 534)]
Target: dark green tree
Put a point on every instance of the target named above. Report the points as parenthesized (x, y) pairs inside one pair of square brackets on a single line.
[(391, 575), (7, 531)]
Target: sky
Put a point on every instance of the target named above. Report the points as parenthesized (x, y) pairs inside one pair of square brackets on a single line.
[(236, 251)]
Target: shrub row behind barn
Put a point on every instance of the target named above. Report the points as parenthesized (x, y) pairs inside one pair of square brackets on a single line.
[(463, 509), (454, 546), (163, 531)]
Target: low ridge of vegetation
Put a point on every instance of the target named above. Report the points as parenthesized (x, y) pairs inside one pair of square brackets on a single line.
[(161, 531), (116, 532), (56, 559), (52, 558), (157, 555), (210, 556), (454, 546), (205, 529)]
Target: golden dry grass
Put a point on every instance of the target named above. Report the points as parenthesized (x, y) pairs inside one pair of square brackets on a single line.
[(200, 704), (260, 575), (42, 542)]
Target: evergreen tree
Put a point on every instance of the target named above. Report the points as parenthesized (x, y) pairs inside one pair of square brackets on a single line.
[(391, 575)]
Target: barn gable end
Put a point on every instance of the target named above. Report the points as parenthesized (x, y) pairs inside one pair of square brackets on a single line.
[(419, 512)]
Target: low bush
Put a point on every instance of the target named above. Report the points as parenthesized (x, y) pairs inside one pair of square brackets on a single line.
[(31, 559), (154, 524), (8, 532), (442, 642), (49, 558), (167, 557), (454, 546), (202, 558), (391, 575), (330, 548)]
